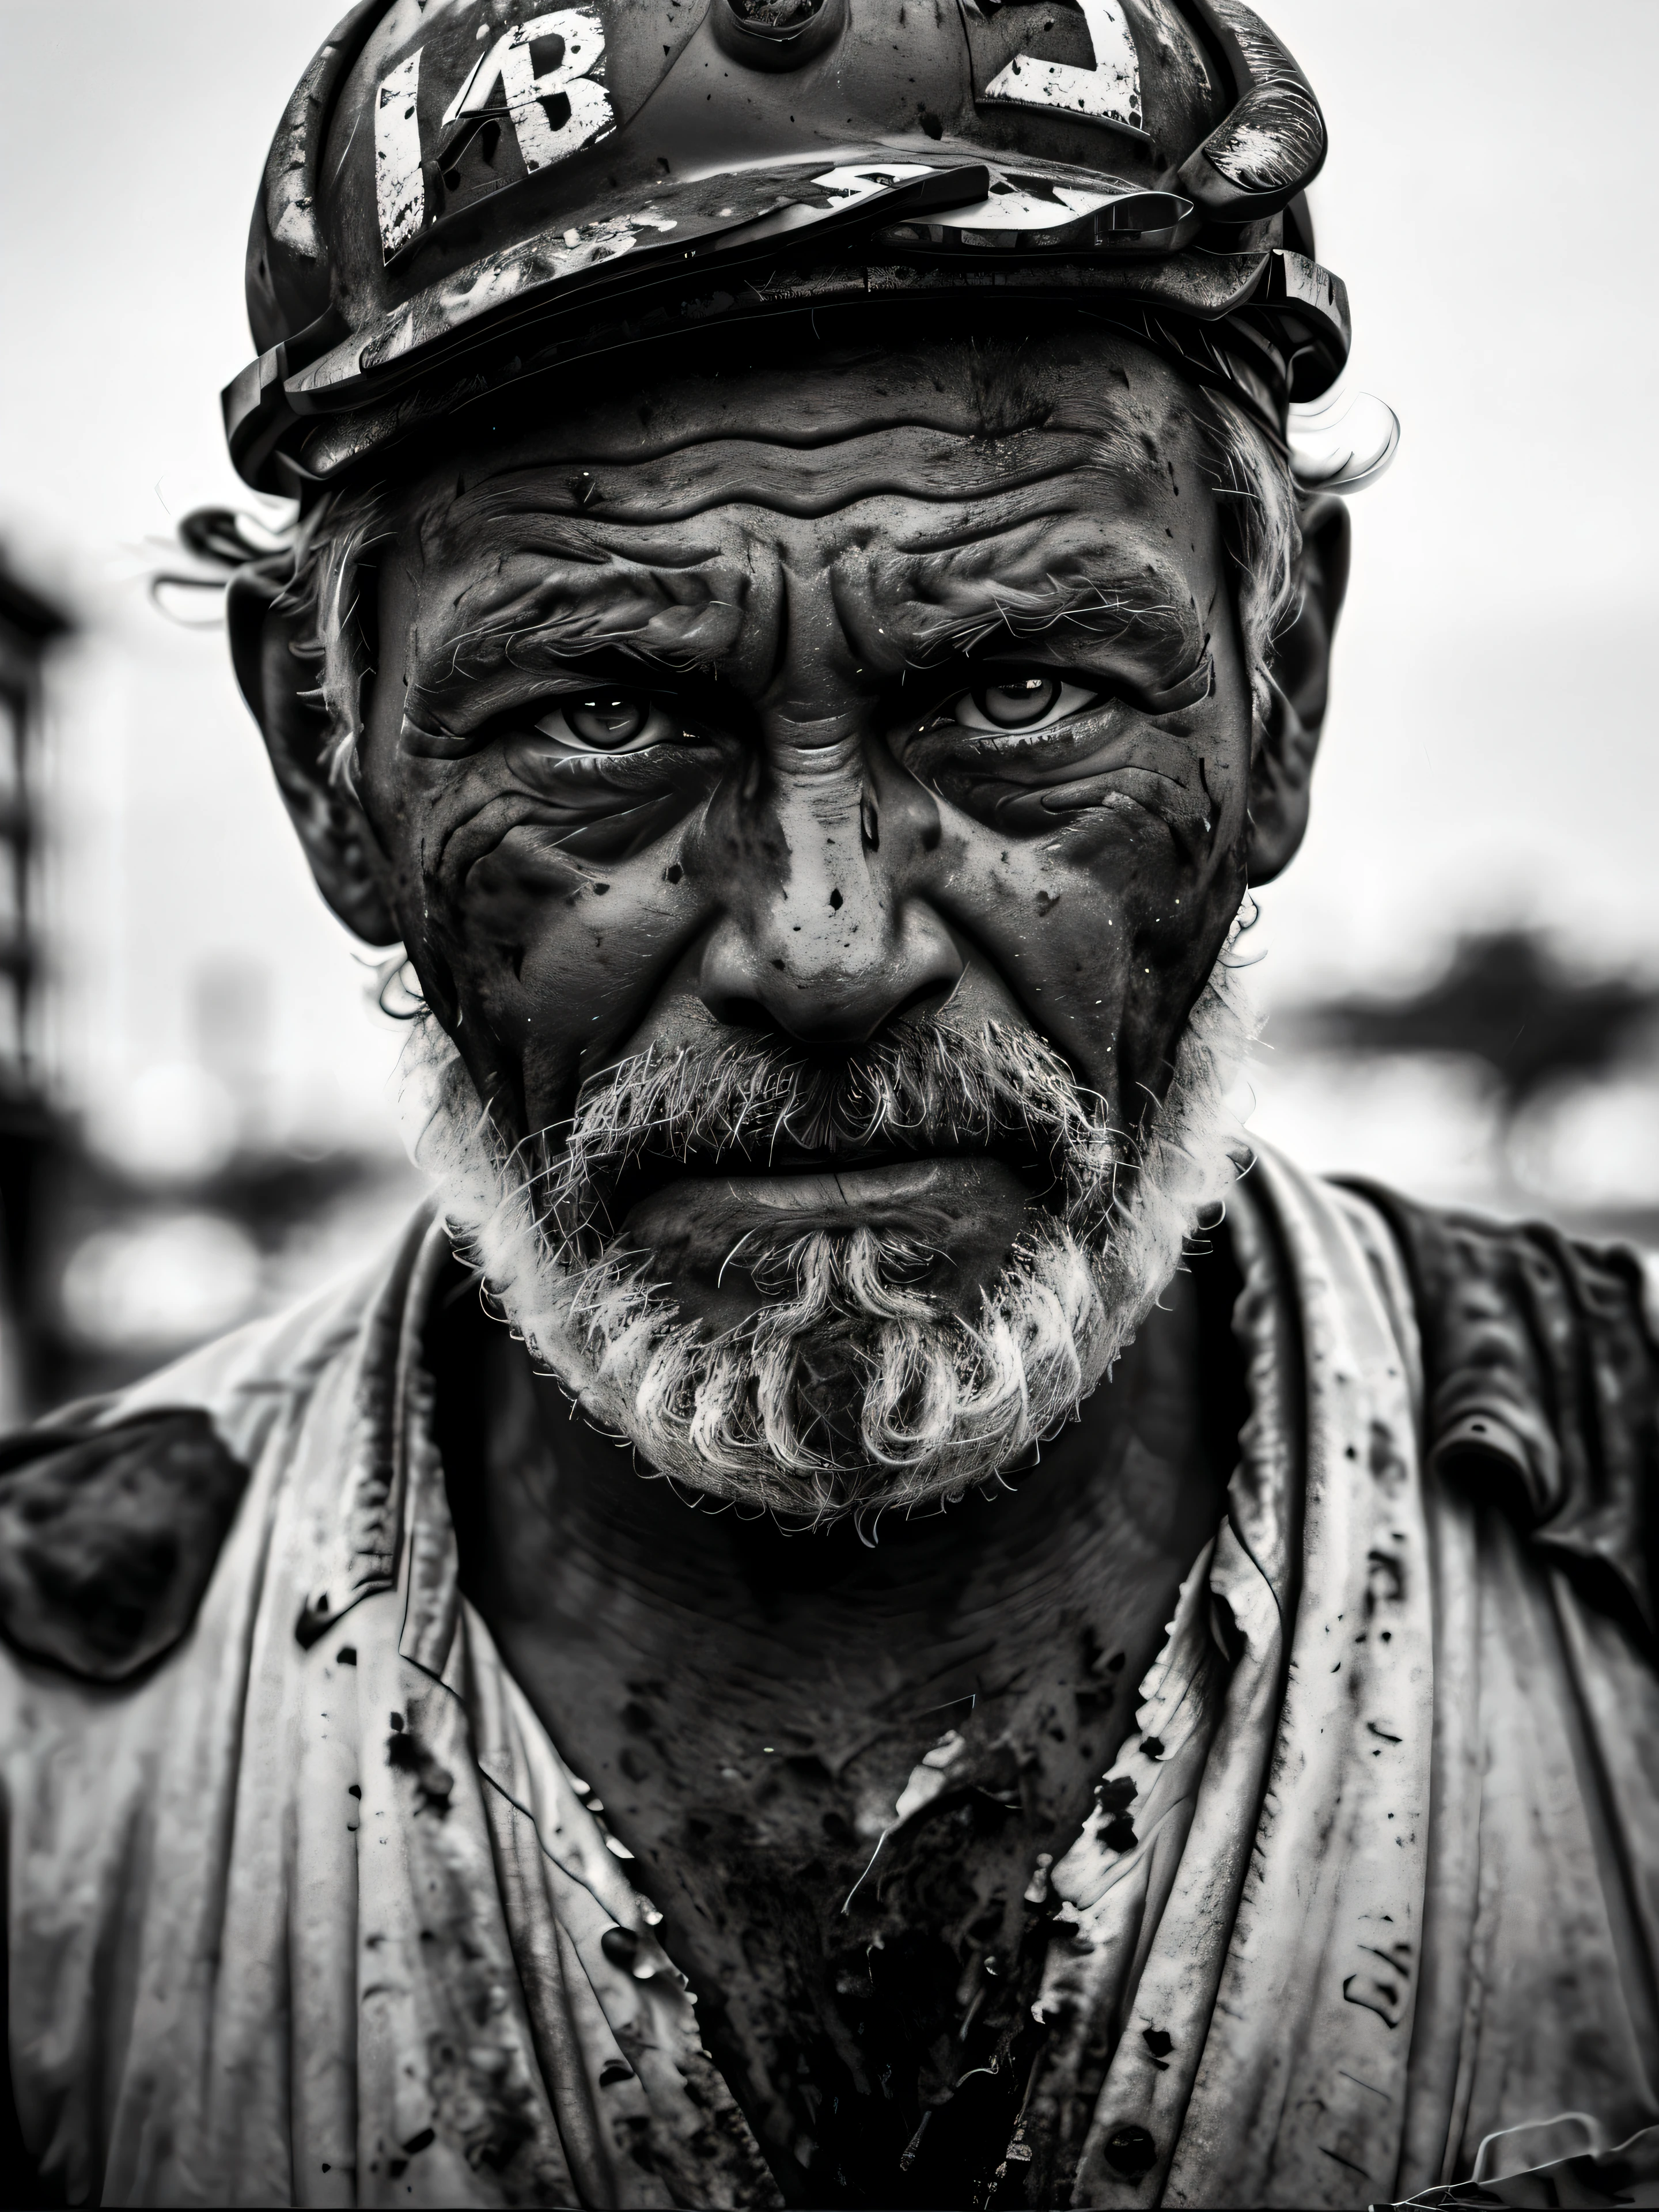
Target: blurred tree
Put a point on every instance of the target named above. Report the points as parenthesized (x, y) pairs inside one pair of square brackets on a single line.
[(1507, 999)]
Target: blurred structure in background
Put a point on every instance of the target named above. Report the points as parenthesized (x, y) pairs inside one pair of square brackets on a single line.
[(31, 627), (156, 1186)]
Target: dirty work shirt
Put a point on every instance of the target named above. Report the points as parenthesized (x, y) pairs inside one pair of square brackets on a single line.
[(304, 1906)]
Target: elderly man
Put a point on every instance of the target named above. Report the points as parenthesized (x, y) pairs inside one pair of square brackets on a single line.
[(1093, 1681)]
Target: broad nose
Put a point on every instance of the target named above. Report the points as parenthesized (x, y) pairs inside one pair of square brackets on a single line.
[(822, 991), (826, 942)]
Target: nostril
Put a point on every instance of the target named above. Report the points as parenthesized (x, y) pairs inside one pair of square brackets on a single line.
[(741, 1013)]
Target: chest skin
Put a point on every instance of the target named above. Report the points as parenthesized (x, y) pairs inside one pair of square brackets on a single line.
[(748, 1705)]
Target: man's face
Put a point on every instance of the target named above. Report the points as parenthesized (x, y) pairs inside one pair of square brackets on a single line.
[(809, 706)]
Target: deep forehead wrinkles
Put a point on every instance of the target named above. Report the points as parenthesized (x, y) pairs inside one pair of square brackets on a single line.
[(908, 460), (903, 462)]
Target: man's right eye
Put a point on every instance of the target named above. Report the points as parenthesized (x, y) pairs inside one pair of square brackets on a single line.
[(609, 722), (609, 769)]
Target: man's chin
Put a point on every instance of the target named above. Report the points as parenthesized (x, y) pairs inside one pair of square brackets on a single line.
[(812, 1411)]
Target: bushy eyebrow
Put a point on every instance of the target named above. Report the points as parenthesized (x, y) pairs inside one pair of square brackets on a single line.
[(935, 592), (601, 608), (944, 594)]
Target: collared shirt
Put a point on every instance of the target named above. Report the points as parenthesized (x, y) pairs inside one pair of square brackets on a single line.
[(312, 1910)]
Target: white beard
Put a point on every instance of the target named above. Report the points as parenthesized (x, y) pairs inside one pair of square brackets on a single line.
[(923, 1402)]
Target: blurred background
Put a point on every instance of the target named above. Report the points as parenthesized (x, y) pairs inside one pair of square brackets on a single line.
[(1460, 971)]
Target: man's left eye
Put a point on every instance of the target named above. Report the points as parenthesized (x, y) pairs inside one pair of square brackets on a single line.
[(608, 722), (1015, 703)]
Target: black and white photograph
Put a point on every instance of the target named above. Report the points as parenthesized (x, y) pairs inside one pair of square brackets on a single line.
[(829, 1104)]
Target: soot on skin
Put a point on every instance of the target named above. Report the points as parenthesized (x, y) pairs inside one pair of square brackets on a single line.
[(903, 2035), (814, 612)]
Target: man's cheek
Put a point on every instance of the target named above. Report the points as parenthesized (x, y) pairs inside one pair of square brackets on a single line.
[(559, 957), (1182, 782), (1104, 927)]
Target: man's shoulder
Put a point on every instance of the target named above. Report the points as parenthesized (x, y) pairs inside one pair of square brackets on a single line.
[(113, 1512), (1540, 1373)]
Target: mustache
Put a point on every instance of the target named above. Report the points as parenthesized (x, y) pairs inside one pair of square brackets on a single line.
[(849, 1393), (922, 1087)]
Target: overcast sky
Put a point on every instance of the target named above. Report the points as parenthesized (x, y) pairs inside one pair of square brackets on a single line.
[(1492, 204)]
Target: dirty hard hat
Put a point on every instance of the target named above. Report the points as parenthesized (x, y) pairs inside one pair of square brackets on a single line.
[(462, 196)]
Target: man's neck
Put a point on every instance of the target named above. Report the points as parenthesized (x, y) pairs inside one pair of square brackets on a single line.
[(749, 1707)]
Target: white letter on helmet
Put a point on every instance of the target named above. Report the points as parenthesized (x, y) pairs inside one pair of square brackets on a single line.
[(1109, 92), (508, 63), (398, 187)]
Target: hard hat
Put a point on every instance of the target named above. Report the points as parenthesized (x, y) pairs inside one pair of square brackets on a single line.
[(462, 195)]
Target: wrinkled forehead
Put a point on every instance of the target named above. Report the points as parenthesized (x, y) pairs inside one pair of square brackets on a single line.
[(660, 506), (819, 433)]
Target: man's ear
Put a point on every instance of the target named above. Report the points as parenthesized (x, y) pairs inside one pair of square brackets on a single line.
[(1281, 775), (276, 683)]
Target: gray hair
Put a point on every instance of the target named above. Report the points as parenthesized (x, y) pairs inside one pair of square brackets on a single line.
[(333, 570), (1251, 481)]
